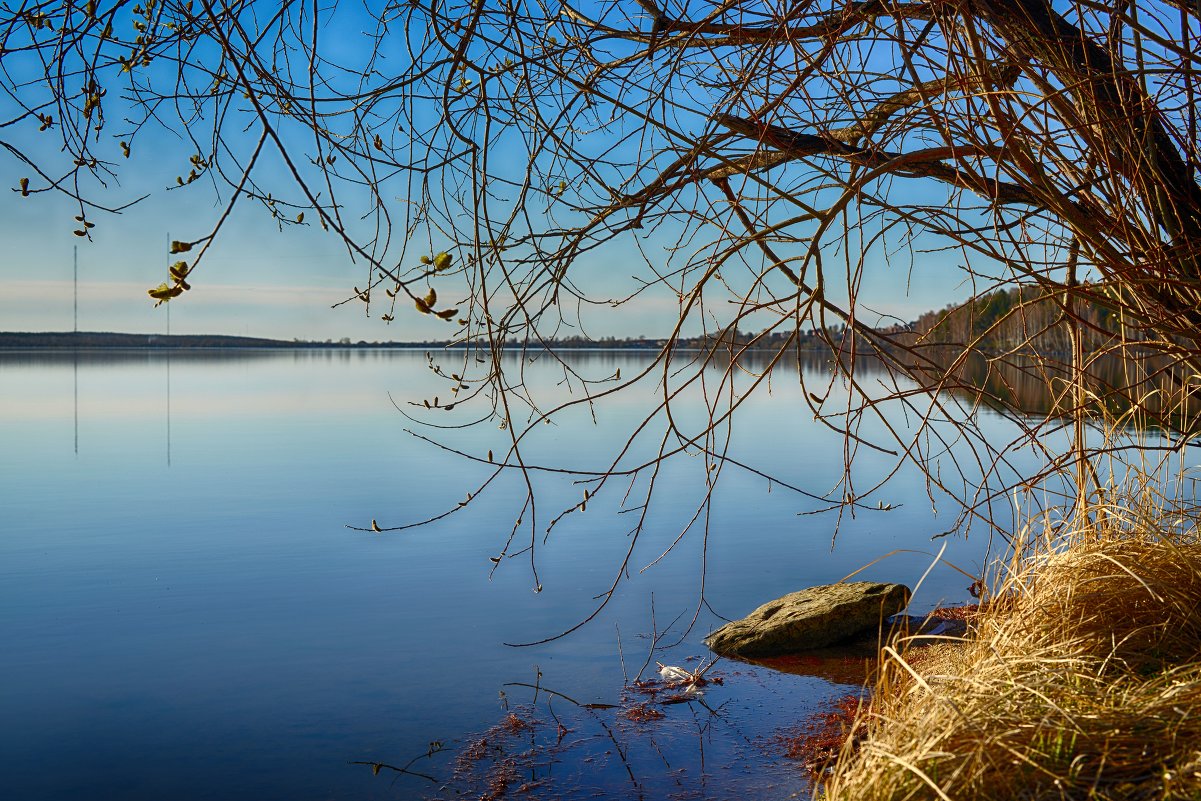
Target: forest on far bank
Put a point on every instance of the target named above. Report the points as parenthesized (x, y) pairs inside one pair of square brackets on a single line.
[(1023, 318)]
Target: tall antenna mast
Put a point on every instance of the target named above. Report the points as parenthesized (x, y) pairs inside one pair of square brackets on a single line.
[(76, 312)]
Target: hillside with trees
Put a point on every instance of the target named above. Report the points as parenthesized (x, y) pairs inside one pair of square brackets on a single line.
[(1025, 319)]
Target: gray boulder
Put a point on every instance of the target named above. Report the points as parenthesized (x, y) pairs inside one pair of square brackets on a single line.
[(811, 618)]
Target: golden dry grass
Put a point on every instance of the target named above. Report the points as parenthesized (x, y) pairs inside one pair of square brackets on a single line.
[(1083, 679)]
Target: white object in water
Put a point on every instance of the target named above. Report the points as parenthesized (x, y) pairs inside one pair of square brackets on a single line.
[(671, 673)]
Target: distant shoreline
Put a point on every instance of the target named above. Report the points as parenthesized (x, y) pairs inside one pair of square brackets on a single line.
[(66, 341), (101, 340), (55, 340)]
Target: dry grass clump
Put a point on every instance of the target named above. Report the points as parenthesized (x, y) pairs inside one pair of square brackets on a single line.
[(1083, 679), (1114, 593)]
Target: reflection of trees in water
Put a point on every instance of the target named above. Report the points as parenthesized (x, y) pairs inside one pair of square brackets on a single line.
[(757, 360), (1145, 390)]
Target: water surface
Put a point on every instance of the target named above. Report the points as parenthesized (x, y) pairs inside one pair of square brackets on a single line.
[(186, 615)]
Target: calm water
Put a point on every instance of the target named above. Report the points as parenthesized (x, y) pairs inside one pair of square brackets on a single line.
[(185, 614)]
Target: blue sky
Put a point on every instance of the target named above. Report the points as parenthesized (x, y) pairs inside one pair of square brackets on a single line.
[(259, 281)]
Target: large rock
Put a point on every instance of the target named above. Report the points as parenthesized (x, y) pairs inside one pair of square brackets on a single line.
[(811, 618)]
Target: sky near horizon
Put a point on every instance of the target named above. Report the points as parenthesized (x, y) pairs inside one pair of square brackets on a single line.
[(259, 281)]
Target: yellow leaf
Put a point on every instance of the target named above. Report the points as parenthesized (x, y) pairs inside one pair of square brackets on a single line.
[(165, 291)]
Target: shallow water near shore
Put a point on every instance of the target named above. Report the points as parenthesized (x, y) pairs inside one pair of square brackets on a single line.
[(186, 614)]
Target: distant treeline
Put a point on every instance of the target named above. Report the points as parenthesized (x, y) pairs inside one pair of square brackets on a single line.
[(98, 339), (94, 339)]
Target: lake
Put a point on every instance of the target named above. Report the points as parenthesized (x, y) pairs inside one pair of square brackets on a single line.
[(186, 614)]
